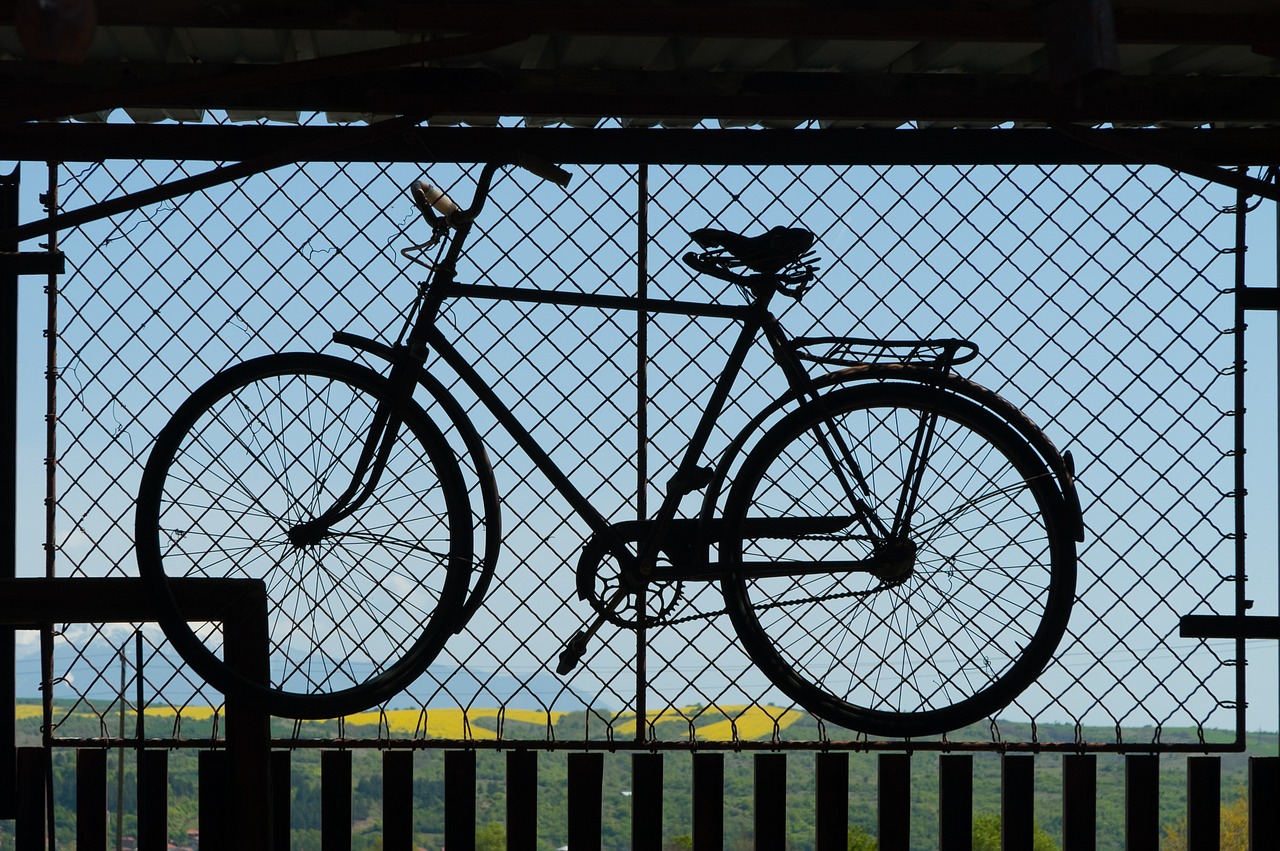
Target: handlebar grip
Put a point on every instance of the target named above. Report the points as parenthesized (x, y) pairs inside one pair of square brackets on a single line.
[(545, 169), (427, 196)]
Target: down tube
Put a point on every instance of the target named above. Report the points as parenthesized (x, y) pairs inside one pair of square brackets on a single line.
[(441, 346)]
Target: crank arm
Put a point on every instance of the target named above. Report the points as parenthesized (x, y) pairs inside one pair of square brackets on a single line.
[(576, 647)]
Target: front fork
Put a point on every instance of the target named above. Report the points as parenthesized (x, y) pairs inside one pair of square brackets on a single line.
[(383, 431)]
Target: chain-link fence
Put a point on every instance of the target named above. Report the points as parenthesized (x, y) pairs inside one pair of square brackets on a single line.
[(1100, 298)]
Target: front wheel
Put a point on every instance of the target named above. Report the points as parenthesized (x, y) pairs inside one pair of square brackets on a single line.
[(355, 612), (939, 626)]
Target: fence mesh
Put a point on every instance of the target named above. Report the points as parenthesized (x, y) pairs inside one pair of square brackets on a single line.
[(1100, 298)]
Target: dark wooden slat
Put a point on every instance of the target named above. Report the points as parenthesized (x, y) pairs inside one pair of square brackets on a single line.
[(771, 800), (245, 642), (708, 801), (1017, 794), (29, 829), (1142, 802), (1080, 802), (1264, 792), (586, 788), (831, 814), (212, 767), (153, 800), (281, 809), (460, 799), (895, 802), (646, 801), (335, 801), (955, 801), (397, 800), (522, 800), (1204, 802), (91, 799)]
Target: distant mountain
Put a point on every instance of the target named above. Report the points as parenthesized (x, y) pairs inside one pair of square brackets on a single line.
[(438, 687)]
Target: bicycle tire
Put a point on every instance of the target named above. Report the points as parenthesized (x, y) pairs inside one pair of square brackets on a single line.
[(263, 446), (988, 598)]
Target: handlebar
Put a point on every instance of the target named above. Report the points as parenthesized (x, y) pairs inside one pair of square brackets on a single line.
[(441, 211)]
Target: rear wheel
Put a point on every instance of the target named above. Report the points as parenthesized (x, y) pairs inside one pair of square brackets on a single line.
[(969, 602), (355, 612)]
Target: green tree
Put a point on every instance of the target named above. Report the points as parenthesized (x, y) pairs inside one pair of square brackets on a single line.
[(986, 835), (491, 837), (1233, 834), (861, 840)]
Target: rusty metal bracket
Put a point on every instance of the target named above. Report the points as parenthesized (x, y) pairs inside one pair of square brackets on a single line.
[(336, 139), (1137, 151)]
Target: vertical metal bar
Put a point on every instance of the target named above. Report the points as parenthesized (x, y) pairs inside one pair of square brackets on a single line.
[(1017, 797), (30, 826), (646, 801), (894, 806), (1264, 791), (50, 201), (771, 801), (1080, 802), (91, 799), (281, 808), (955, 801), (213, 810), (460, 800), (1242, 212), (153, 800), (831, 810), (522, 800), (335, 801), (642, 431), (1204, 802), (586, 789), (8, 494), (708, 801), (397, 800), (1142, 802)]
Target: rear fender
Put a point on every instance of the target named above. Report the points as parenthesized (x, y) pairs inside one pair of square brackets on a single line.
[(1062, 465)]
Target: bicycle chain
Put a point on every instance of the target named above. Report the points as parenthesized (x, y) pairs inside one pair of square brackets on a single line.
[(841, 596), (708, 616)]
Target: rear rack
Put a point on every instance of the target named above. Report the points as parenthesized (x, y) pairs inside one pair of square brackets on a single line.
[(858, 351)]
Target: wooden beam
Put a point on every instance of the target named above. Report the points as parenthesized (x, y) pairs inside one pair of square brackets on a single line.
[(648, 95), (94, 142)]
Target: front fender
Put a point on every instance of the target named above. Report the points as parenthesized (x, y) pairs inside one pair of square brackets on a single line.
[(477, 454)]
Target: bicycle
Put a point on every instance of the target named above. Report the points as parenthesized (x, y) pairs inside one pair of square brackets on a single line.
[(895, 544)]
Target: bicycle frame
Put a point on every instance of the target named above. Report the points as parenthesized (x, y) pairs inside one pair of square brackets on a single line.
[(425, 338)]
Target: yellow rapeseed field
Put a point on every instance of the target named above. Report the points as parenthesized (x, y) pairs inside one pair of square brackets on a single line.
[(716, 724), (711, 724), (450, 723)]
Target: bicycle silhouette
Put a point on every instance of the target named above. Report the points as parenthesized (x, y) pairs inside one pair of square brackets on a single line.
[(895, 544)]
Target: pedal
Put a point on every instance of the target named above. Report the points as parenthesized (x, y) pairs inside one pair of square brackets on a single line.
[(574, 649)]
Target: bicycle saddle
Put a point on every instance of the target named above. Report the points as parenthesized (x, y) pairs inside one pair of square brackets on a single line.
[(767, 253)]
